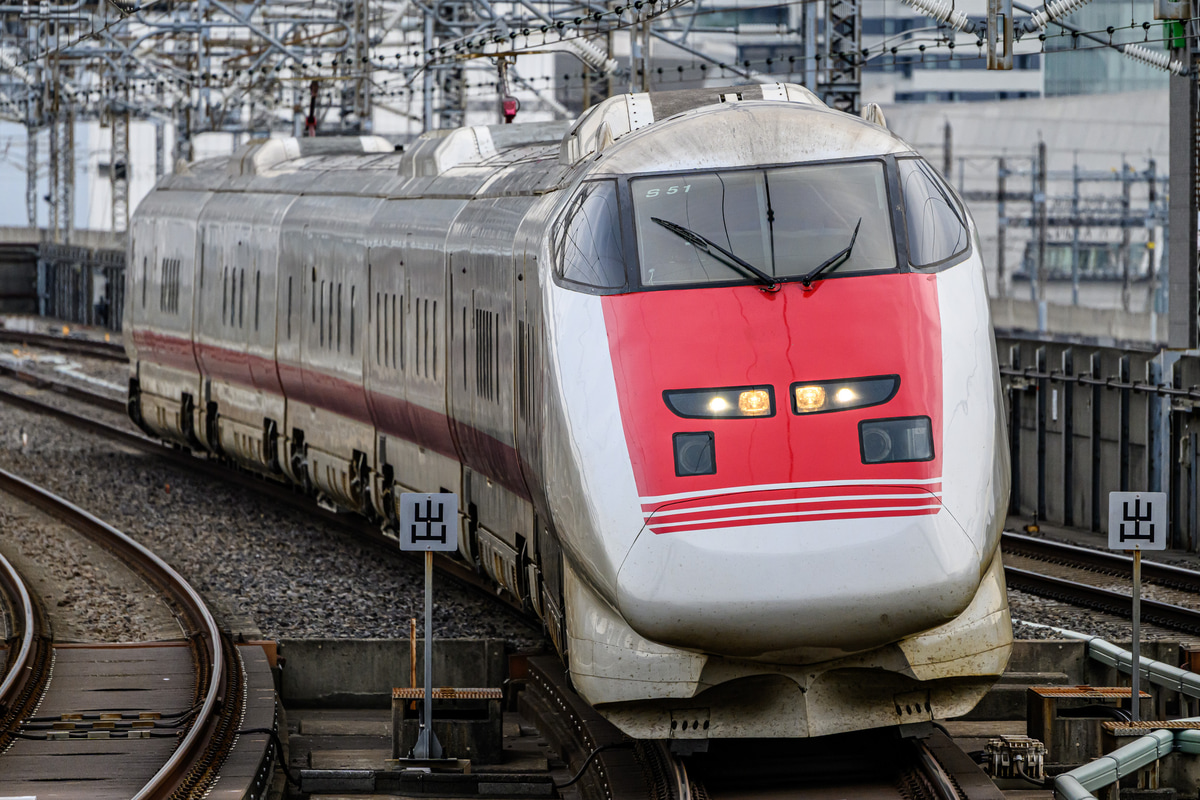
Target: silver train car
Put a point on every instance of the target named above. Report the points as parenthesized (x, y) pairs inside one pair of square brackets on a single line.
[(712, 372)]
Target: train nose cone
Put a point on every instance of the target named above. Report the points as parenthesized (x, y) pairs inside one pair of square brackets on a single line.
[(798, 590)]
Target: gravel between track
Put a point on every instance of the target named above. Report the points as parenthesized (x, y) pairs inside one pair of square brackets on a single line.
[(264, 570)]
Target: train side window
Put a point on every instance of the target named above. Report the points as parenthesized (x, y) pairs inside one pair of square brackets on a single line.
[(331, 315), (145, 278), (233, 297), (289, 309), (313, 295), (242, 300), (339, 319), (321, 326), (937, 230), (257, 286), (224, 295), (351, 320), (400, 325), (378, 327), (588, 250)]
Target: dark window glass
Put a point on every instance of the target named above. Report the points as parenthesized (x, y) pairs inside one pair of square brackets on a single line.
[(587, 241), (936, 228), (785, 222)]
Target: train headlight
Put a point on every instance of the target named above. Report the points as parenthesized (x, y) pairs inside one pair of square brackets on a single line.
[(887, 441), (730, 402), (809, 398), (819, 397), (755, 403)]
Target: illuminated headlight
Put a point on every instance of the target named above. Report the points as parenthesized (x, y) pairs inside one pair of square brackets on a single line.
[(735, 401), (886, 441), (819, 397)]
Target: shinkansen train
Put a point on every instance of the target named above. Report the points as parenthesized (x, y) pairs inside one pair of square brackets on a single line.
[(711, 371)]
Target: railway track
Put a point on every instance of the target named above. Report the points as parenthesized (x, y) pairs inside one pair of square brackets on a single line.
[(168, 712), (608, 765), (123, 433), (1081, 592), (870, 765), (1073, 573), (109, 351)]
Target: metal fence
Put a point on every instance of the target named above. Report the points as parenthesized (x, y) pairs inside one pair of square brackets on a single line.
[(81, 284), (1087, 420)]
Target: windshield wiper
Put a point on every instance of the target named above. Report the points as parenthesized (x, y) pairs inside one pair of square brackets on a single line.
[(708, 246), (835, 260)]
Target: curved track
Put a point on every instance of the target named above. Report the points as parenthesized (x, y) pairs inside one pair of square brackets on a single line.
[(27, 664), (212, 468), (191, 768)]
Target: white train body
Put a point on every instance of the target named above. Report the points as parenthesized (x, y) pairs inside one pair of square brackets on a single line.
[(744, 505)]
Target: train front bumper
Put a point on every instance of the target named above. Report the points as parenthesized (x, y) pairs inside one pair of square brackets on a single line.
[(656, 692), (799, 592)]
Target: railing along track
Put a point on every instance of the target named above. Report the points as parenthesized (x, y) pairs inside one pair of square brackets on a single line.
[(192, 767)]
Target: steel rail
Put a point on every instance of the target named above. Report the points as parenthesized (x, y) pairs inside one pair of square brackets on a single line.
[(24, 680), (1100, 561), (203, 634), (16, 591), (84, 347), (65, 389), (1081, 594), (278, 491)]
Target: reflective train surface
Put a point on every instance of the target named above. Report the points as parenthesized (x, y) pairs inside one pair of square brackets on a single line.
[(712, 372)]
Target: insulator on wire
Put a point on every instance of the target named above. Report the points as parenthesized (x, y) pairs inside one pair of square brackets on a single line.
[(945, 13), (1056, 9), (592, 55), (1152, 58)]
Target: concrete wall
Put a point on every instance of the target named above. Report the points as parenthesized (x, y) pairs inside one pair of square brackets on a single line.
[(361, 673)]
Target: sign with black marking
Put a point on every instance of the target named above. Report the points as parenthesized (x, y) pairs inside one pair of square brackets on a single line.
[(1137, 520), (428, 522)]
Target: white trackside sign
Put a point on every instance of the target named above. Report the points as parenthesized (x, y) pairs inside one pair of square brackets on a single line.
[(1137, 520), (428, 521)]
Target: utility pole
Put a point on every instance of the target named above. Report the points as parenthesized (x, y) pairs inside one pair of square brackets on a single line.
[(427, 76), (646, 23), (1075, 233), (947, 151), (1039, 201), (1181, 252), (31, 164), (810, 45), (66, 169), (362, 62), (1001, 229), (1126, 267)]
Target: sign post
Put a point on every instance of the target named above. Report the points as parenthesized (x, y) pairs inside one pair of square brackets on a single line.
[(1137, 521), (428, 523)]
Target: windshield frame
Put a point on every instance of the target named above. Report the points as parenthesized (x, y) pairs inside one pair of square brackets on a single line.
[(895, 202), (957, 205)]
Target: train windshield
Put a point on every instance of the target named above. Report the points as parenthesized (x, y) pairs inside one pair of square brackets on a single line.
[(782, 223)]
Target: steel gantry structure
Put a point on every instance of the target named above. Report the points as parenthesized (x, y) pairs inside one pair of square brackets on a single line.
[(251, 67)]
